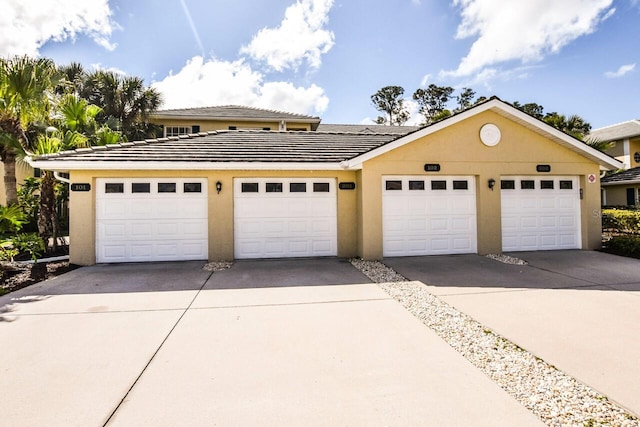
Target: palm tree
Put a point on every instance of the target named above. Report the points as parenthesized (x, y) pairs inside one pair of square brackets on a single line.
[(25, 88), (125, 102)]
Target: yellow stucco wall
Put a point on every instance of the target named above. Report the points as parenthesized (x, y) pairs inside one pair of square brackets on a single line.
[(459, 151), (82, 216)]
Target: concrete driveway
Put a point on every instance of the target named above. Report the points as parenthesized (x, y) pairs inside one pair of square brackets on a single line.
[(577, 310), (304, 342)]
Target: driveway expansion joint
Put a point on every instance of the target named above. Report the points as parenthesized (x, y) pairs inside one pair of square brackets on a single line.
[(155, 353)]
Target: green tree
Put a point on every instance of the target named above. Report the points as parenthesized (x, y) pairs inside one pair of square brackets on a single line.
[(26, 85), (573, 125), (125, 102), (531, 108), (389, 101), (433, 102), (465, 99)]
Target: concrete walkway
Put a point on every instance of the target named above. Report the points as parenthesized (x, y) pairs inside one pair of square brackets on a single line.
[(577, 310), (169, 344)]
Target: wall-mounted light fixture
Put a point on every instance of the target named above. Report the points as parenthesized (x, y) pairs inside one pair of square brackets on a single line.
[(218, 187), (492, 183)]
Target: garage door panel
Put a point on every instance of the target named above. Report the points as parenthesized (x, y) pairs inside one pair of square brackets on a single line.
[(284, 224), (540, 219), (134, 227), (429, 221)]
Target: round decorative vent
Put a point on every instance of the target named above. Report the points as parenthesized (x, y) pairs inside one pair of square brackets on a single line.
[(490, 135), (636, 157)]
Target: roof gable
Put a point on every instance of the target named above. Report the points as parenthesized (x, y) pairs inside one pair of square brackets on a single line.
[(506, 110)]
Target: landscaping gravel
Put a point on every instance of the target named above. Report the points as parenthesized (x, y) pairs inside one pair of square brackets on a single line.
[(555, 397), (217, 266)]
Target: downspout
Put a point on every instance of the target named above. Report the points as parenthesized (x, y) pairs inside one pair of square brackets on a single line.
[(57, 176)]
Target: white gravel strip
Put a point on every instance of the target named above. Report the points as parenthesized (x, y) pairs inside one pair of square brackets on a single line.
[(555, 397), (506, 259), (217, 266)]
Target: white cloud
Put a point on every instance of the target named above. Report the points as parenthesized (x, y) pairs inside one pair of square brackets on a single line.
[(522, 31), (624, 69), (218, 82), (425, 80), (300, 36), (26, 25), (98, 67)]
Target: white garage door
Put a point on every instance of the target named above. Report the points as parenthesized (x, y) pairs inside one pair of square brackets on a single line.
[(151, 219), (284, 217), (428, 215), (540, 213)]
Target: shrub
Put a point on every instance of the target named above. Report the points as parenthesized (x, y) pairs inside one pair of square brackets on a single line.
[(29, 243), (625, 245), (621, 220)]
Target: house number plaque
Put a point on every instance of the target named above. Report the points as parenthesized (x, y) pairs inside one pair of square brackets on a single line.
[(80, 187)]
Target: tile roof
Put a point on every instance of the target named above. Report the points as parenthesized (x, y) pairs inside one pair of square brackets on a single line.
[(399, 130), (630, 175), (232, 112), (233, 146), (618, 131)]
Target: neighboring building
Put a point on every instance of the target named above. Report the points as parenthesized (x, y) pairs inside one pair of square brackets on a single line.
[(230, 117), (486, 180), (622, 188)]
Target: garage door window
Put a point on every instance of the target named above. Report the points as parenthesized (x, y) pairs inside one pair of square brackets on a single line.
[(566, 185), (438, 185), (274, 187), (320, 187), (166, 187), (298, 187), (141, 187), (192, 187), (460, 185), (528, 184), (249, 187), (507, 184), (111, 187), (546, 184), (393, 185), (416, 185)]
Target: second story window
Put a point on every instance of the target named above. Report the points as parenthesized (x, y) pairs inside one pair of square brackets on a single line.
[(177, 130)]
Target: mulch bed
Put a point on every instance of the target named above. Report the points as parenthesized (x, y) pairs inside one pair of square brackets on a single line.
[(16, 276)]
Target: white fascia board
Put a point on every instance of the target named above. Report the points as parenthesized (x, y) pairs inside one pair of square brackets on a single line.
[(629, 182), (504, 109), (106, 165)]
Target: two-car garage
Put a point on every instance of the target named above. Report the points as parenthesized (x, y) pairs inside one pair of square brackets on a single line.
[(436, 215)]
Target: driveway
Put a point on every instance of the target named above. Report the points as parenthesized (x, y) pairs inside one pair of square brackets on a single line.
[(304, 342), (577, 310)]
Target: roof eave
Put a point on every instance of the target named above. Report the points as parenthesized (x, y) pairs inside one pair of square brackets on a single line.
[(70, 165), (626, 182)]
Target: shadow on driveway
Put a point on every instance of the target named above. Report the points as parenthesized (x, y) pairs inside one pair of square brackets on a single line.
[(545, 270), (286, 273)]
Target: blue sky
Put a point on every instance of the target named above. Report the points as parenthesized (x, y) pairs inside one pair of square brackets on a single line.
[(327, 57)]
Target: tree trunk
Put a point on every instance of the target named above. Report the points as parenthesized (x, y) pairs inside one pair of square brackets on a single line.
[(10, 186), (47, 214)]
